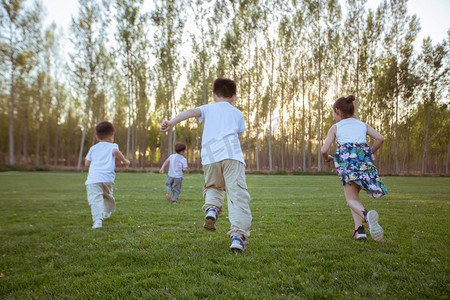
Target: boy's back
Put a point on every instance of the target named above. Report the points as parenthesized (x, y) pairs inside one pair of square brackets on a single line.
[(177, 163), (223, 123), (102, 164)]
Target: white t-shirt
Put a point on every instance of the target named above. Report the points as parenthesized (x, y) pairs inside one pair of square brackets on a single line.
[(103, 163), (220, 139), (351, 130), (176, 164)]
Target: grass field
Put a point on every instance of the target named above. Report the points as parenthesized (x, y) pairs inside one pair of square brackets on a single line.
[(300, 245)]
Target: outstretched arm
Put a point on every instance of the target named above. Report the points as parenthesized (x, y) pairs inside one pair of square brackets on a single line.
[(163, 166), (190, 113), (120, 157), (379, 138), (327, 144)]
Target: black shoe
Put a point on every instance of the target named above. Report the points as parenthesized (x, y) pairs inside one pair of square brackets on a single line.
[(359, 233)]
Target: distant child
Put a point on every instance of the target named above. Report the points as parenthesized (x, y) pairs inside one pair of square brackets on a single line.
[(354, 162), (177, 165), (101, 160), (223, 161)]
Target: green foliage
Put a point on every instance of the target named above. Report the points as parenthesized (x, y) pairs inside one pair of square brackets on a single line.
[(300, 244)]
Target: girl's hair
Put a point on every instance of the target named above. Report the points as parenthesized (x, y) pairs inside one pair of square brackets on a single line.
[(345, 105)]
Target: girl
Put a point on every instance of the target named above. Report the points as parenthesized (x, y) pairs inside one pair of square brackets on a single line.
[(354, 162)]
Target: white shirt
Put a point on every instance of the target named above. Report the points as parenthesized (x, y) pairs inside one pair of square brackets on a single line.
[(176, 164), (103, 163), (220, 139), (351, 130)]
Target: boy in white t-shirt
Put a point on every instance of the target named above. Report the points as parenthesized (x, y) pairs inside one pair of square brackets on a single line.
[(177, 165), (101, 160), (223, 161)]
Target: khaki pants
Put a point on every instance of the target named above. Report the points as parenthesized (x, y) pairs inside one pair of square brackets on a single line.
[(100, 197), (229, 176)]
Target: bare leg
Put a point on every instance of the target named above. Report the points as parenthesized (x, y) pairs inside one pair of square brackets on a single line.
[(352, 196)]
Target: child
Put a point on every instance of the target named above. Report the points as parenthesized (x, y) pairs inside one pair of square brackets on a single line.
[(222, 160), (354, 162), (177, 165), (101, 160)]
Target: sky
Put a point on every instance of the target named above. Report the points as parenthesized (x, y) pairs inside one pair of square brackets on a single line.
[(433, 15)]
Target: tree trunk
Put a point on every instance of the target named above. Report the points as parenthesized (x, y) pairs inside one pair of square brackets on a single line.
[(425, 150), (448, 156), (25, 138), (293, 127), (319, 167), (12, 160), (303, 119), (270, 113), (80, 155), (69, 138), (309, 144)]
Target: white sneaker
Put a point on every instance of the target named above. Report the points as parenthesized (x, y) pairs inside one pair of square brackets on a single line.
[(237, 244), (169, 195), (97, 224), (211, 218), (376, 232)]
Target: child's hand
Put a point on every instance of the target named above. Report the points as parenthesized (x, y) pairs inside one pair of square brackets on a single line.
[(165, 126), (126, 163), (329, 158), (161, 170)]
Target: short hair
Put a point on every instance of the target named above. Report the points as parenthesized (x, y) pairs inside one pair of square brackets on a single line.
[(180, 147), (104, 129), (345, 105), (224, 87)]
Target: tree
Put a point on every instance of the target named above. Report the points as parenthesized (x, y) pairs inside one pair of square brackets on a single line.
[(169, 20), (14, 17), (88, 32), (433, 73)]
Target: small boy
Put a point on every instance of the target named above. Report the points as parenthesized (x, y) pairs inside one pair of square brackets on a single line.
[(177, 165), (222, 160), (101, 160)]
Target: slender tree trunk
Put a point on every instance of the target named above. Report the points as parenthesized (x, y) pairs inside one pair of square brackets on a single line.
[(293, 127), (406, 162), (80, 155), (425, 150), (47, 143), (69, 137), (270, 112), (282, 127), (319, 167), (303, 119), (197, 148), (257, 114), (448, 156), (12, 160), (249, 161), (309, 141), (25, 137), (397, 167), (38, 144)]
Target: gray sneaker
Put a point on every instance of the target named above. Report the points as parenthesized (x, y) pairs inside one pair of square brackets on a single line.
[(376, 232), (169, 195), (237, 244), (97, 224), (211, 218)]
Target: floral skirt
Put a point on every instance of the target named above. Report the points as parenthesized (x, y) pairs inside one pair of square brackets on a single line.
[(355, 162)]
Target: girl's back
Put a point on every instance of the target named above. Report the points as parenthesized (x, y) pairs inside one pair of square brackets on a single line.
[(351, 130)]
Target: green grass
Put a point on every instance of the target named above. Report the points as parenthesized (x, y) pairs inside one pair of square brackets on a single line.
[(300, 244)]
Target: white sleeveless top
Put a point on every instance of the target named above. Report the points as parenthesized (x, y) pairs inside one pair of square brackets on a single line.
[(351, 130)]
